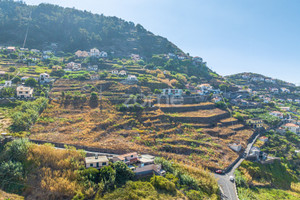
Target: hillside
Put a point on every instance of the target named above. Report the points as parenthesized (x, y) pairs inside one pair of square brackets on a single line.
[(44, 172), (72, 30), (258, 81)]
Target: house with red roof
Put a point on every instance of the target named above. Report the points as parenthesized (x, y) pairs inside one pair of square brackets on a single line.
[(292, 127)]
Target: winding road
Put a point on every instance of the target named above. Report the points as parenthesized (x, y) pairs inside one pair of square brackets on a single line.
[(227, 187)]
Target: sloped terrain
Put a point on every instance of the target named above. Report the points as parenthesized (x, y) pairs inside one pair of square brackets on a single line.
[(202, 141), (72, 29)]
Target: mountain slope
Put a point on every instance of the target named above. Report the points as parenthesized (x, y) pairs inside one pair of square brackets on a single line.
[(72, 29), (258, 80)]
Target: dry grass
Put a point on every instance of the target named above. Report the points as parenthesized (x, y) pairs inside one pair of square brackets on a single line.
[(185, 105), (201, 113), (6, 196), (147, 132)]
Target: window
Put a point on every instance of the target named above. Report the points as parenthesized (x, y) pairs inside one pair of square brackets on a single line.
[(104, 163), (91, 165), (131, 156), (97, 164)]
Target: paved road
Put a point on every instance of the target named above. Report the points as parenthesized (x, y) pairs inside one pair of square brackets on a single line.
[(95, 152), (227, 187)]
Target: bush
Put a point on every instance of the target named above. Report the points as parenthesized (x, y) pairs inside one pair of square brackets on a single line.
[(16, 150), (194, 195), (11, 176), (91, 174), (132, 191), (108, 177), (31, 82), (123, 173), (93, 100), (27, 113), (162, 183)]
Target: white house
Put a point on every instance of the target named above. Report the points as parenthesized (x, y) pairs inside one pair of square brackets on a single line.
[(244, 76), (115, 71), (92, 68), (275, 90), (135, 57), (132, 78), (297, 100), (35, 51), (285, 108), (74, 66), (285, 90), (204, 87), (270, 81), (168, 91), (45, 78), (6, 84), (171, 55), (11, 49), (257, 79), (277, 114), (181, 57), (217, 99), (96, 162), (94, 52), (24, 92), (24, 49), (197, 59), (128, 158), (103, 54), (47, 52), (2, 73), (292, 127), (82, 54), (267, 100), (46, 56), (122, 73)]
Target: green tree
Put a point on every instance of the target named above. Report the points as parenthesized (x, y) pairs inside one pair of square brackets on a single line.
[(16, 150), (31, 82), (16, 79), (11, 176), (91, 174), (12, 69), (223, 87), (93, 100), (108, 177), (123, 173)]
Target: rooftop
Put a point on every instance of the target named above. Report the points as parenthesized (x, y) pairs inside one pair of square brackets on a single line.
[(96, 159), (122, 157), (291, 125)]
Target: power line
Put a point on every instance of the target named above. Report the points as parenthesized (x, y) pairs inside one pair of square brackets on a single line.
[(27, 30)]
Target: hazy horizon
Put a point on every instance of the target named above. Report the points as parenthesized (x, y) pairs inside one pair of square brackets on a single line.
[(233, 37)]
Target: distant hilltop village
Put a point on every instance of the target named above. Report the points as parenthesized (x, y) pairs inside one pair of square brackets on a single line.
[(251, 77)]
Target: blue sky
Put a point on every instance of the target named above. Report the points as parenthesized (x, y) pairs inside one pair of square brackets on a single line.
[(261, 36)]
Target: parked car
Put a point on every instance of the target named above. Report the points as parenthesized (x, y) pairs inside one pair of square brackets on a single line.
[(219, 171), (231, 178)]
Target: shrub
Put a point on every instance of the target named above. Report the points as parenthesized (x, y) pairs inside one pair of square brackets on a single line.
[(123, 173), (162, 183), (31, 82), (27, 113), (11, 175), (194, 195)]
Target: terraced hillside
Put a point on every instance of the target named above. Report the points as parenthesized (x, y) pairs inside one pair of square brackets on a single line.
[(197, 134)]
